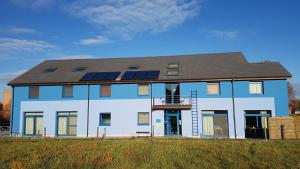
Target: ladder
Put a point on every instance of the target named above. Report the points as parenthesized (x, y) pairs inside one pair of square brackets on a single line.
[(194, 110)]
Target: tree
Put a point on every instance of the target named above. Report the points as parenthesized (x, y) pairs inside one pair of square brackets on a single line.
[(291, 92)]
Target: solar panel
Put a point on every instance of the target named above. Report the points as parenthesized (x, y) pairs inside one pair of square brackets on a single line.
[(153, 74), (100, 76), (140, 75), (128, 75), (112, 75), (87, 77)]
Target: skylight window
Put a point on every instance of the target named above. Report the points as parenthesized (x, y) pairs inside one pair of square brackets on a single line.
[(133, 67), (49, 70), (79, 69), (173, 69)]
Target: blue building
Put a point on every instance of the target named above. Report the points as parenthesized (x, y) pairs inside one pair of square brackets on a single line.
[(207, 96)]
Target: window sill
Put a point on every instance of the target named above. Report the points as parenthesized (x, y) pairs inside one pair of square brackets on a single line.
[(143, 124), (104, 125)]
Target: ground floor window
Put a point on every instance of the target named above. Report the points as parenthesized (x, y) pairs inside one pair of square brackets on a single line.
[(66, 123), (105, 119), (256, 123), (33, 123), (215, 124), (143, 118)]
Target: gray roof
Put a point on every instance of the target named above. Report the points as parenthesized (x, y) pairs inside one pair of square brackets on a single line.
[(191, 67)]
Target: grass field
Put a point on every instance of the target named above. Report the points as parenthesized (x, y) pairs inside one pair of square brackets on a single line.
[(148, 153)]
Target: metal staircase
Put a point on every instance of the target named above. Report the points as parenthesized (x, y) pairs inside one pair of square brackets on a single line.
[(195, 122)]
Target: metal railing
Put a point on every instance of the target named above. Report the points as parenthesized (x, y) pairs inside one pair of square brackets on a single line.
[(175, 100)]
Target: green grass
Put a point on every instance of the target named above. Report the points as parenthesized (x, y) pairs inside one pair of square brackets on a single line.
[(148, 153)]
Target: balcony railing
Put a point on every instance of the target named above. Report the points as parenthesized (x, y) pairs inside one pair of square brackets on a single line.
[(172, 102)]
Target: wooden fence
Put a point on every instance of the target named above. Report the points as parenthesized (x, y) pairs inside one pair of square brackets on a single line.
[(284, 127)]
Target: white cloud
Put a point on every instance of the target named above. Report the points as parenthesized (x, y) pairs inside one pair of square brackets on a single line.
[(20, 30), (223, 34), (34, 4), (99, 40), (11, 46), (126, 18), (8, 76)]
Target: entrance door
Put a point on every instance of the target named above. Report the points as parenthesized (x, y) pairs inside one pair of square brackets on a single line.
[(172, 123)]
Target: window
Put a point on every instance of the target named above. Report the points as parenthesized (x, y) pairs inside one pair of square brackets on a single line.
[(143, 90), (79, 69), (68, 91), (105, 119), (256, 123), (34, 92), (33, 123), (173, 69), (49, 70), (105, 90), (66, 123), (213, 88), (256, 87), (143, 118), (133, 67), (215, 124)]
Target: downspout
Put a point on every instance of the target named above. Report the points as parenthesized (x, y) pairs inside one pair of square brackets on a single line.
[(233, 106), (11, 111), (151, 122), (88, 112)]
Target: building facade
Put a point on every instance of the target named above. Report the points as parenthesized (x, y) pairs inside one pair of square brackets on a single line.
[(205, 96)]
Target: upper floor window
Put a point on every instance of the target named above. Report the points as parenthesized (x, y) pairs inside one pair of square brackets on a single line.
[(213, 88), (105, 119), (34, 92), (143, 89), (68, 91), (256, 87), (105, 90), (143, 118)]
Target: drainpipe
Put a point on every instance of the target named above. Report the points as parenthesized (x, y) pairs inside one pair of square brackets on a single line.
[(11, 111), (151, 121), (233, 106), (88, 112)]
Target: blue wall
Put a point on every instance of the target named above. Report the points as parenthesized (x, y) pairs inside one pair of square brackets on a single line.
[(272, 88), (46, 93), (118, 91), (201, 87)]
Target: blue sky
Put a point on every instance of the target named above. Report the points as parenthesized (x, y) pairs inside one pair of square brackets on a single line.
[(35, 30)]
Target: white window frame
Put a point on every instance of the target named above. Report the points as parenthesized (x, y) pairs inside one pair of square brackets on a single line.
[(254, 89)]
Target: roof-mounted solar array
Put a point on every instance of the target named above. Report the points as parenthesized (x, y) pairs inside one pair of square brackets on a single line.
[(140, 75), (100, 76)]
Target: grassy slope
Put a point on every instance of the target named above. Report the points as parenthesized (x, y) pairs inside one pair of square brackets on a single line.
[(148, 153)]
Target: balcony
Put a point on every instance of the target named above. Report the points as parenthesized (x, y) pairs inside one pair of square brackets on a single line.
[(172, 103)]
